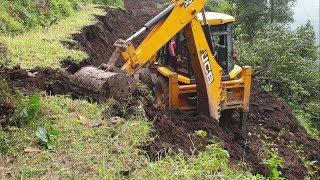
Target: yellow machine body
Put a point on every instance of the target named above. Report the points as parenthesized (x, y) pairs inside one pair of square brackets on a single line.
[(213, 93)]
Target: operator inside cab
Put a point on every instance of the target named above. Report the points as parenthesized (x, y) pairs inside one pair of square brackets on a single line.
[(221, 36), (175, 55), (172, 47)]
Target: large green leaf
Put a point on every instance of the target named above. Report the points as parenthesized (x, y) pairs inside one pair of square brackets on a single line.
[(43, 134)]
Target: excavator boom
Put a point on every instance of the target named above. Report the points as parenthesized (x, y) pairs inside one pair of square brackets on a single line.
[(213, 94), (165, 25)]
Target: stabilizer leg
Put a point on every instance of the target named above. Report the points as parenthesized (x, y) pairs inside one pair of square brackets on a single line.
[(243, 123)]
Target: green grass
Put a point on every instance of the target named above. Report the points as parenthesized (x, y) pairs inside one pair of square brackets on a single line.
[(307, 124), (82, 150), (105, 152), (43, 47)]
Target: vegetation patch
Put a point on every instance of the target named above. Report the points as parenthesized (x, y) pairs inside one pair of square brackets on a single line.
[(43, 47), (58, 137), (23, 15), (89, 143)]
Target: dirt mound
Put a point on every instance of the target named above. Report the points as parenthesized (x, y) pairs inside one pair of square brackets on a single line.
[(28, 82), (97, 40), (36, 80), (268, 116), (50, 81), (6, 110)]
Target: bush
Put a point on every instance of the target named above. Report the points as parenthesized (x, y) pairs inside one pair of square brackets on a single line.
[(222, 6), (286, 62), (21, 15)]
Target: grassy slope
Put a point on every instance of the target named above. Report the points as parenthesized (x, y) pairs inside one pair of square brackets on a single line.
[(306, 123), (43, 47), (105, 152), (85, 151)]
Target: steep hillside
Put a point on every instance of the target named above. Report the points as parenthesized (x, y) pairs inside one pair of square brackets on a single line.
[(271, 124)]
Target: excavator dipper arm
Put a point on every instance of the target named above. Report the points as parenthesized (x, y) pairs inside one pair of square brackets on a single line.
[(180, 14), (167, 24), (207, 72)]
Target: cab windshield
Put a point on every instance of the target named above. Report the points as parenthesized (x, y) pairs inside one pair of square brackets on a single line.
[(222, 45)]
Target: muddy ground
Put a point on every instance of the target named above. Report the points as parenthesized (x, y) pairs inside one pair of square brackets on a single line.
[(268, 115)]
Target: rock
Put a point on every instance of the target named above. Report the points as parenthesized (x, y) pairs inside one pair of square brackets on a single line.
[(116, 120)]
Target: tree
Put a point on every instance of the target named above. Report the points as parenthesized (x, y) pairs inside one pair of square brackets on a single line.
[(222, 6), (285, 61), (250, 15), (254, 15), (280, 11)]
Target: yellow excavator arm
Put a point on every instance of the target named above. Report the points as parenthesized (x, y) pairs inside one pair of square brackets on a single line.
[(164, 26), (179, 15), (213, 92)]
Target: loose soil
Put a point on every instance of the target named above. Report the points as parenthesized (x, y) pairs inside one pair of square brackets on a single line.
[(173, 129), (97, 40), (268, 116)]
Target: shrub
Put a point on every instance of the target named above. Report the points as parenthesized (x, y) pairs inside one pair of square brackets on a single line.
[(22, 15), (285, 61)]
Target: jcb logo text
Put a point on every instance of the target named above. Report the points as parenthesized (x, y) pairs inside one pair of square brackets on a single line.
[(187, 3), (207, 66)]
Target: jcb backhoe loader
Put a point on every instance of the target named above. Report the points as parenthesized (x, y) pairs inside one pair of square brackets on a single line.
[(198, 72)]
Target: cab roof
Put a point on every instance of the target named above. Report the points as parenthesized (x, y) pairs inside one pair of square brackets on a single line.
[(215, 18)]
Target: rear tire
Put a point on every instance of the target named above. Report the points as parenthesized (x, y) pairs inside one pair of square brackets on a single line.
[(162, 92)]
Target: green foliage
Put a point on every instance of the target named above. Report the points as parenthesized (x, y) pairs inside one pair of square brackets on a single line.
[(212, 159), (162, 5), (286, 63), (254, 15), (44, 48), (286, 57), (9, 24), (273, 162), (222, 6), (270, 156), (118, 3), (209, 164), (22, 15), (308, 122), (200, 133), (4, 94), (48, 135), (26, 108), (3, 144), (311, 165), (313, 109)]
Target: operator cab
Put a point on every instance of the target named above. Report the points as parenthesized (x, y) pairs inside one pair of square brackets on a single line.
[(220, 26)]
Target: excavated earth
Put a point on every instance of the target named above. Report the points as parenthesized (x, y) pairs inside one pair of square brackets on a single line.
[(270, 119)]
